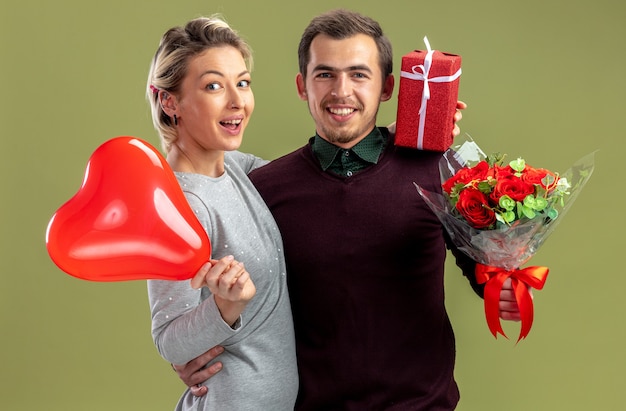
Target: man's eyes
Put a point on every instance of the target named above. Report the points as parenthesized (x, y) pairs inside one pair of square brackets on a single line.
[(355, 74)]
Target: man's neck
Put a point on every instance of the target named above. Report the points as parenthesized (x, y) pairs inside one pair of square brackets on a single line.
[(346, 145)]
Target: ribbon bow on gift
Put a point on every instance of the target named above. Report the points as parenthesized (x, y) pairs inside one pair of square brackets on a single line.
[(494, 277), (423, 76)]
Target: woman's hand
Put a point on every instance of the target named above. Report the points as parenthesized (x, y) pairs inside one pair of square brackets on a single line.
[(229, 282)]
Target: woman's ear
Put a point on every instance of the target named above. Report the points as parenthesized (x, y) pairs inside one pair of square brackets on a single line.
[(168, 102)]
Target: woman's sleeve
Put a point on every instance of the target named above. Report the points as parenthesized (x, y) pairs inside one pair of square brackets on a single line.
[(185, 322), (247, 162)]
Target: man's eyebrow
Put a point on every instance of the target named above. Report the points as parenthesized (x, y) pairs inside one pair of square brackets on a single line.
[(359, 67)]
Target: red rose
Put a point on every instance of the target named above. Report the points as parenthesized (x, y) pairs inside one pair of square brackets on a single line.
[(473, 206), (467, 175), (535, 175), (512, 186), (502, 171)]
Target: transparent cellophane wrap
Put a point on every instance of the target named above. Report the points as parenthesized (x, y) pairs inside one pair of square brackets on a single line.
[(506, 246)]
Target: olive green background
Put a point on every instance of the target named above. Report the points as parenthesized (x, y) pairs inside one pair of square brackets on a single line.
[(543, 79)]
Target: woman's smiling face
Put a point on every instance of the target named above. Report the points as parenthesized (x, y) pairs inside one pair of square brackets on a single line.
[(215, 101)]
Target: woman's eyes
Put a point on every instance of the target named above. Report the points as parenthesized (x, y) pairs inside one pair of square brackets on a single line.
[(218, 86)]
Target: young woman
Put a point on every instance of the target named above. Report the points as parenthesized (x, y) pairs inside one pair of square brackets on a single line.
[(201, 100)]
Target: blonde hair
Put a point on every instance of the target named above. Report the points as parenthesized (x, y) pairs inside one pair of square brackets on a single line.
[(169, 65)]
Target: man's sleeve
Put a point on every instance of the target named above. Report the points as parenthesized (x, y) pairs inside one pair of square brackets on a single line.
[(466, 264)]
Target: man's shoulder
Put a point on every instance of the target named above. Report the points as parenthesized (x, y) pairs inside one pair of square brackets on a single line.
[(282, 164)]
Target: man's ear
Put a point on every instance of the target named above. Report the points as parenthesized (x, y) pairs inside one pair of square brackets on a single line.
[(301, 86), (387, 88)]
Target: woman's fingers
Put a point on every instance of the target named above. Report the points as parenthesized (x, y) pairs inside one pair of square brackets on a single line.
[(229, 278), (198, 280)]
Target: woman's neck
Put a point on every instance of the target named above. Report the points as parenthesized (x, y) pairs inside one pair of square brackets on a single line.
[(208, 163)]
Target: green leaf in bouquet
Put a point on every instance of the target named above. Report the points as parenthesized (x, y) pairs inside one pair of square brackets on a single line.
[(548, 180), (535, 203), (485, 187), (552, 213), (518, 165), (494, 158), (506, 217), (527, 211), (507, 203)]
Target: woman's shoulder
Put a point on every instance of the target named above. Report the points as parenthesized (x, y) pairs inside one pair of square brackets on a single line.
[(245, 161)]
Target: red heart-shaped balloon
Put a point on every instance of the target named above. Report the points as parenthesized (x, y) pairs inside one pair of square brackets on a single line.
[(128, 221)]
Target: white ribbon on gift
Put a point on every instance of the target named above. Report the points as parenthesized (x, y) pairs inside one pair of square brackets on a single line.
[(423, 76)]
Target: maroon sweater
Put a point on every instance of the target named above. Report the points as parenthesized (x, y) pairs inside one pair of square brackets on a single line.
[(365, 265)]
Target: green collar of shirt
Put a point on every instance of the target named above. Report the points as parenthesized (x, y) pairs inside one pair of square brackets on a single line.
[(346, 162)]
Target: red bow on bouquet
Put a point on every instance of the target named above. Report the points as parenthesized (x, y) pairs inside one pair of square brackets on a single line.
[(494, 278)]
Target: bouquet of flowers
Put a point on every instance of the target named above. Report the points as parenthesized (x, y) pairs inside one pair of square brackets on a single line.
[(499, 213)]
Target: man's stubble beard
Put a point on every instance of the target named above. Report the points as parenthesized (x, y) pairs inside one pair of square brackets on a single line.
[(343, 135)]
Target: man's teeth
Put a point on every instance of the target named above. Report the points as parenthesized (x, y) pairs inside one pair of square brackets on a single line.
[(341, 111)]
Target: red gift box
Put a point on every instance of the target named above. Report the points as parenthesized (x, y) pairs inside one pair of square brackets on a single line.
[(429, 90)]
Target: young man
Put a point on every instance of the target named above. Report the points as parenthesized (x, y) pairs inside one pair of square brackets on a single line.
[(365, 255)]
